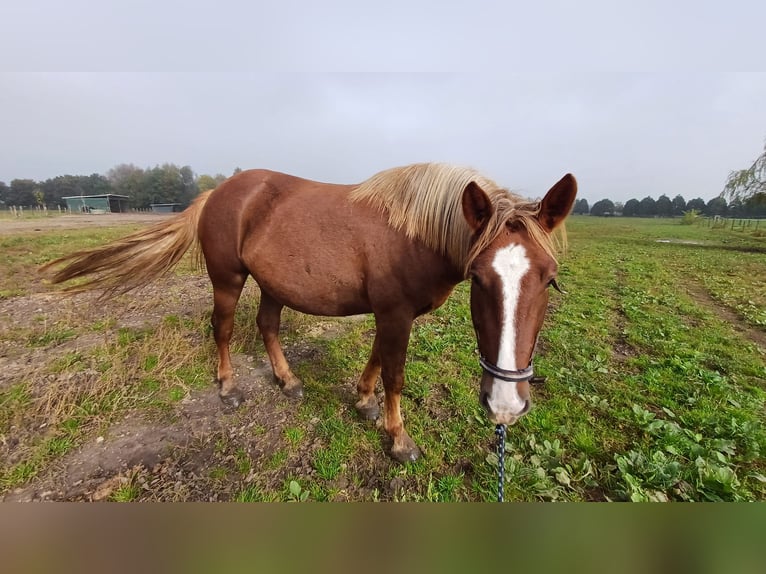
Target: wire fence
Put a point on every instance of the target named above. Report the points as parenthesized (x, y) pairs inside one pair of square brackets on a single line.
[(19, 211), (734, 223)]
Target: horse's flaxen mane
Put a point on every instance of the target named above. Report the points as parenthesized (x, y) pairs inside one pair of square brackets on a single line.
[(425, 200)]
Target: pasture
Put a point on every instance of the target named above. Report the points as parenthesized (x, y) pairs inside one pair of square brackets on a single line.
[(656, 385)]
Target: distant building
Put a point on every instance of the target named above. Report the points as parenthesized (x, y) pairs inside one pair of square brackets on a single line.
[(105, 203), (166, 207)]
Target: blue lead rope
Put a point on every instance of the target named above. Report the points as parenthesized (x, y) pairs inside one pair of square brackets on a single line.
[(500, 432)]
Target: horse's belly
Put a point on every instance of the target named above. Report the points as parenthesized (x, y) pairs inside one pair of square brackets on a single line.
[(309, 287)]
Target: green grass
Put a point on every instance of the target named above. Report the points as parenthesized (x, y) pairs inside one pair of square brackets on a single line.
[(250, 493), (126, 493), (294, 435), (651, 394), (655, 383), (675, 408)]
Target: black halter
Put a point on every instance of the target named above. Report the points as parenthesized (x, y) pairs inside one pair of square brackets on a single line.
[(505, 375)]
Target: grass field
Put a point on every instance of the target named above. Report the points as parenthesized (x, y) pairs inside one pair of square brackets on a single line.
[(656, 381)]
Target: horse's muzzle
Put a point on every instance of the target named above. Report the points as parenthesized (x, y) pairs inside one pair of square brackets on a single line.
[(505, 393), (503, 416)]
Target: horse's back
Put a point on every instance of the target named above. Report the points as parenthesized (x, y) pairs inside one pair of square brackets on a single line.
[(309, 246), (250, 200)]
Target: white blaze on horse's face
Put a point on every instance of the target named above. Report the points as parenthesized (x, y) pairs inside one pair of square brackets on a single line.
[(511, 264)]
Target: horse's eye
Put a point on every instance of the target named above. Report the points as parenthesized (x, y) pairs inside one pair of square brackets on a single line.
[(552, 283)]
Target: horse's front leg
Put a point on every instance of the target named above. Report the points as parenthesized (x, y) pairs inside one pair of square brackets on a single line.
[(393, 335)]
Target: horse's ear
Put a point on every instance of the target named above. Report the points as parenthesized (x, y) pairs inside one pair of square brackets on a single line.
[(557, 203), (477, 208)]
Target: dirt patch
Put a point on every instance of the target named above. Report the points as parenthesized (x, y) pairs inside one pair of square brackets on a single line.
[(703, 298), (164, 452), (203, 452), (35, 224), (50, 325)]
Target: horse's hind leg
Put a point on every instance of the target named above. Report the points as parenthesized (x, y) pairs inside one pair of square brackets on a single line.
[(268, 319), (367, 405), (226, 292)]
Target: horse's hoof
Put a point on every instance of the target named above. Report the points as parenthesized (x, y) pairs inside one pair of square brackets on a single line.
[(408, 454), (368, 410), (233, 399), (295, 392)]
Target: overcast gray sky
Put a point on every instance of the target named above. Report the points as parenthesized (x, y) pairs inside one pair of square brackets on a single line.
[(549, 87), (622, 134)]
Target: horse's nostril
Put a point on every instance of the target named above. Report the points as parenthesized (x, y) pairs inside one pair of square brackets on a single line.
[(527, 406)]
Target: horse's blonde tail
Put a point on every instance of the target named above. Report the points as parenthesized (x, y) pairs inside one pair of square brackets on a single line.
[(133, 261)]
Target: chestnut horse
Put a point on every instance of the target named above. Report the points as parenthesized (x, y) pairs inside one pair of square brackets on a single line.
[(395, 246)]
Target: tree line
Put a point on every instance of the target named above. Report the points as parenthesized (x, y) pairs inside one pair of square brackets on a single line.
[(752, 206), (744, 188), (167, 183)]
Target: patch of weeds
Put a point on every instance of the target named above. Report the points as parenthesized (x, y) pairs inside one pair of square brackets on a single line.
[(12, 401), (71, 425), (51, 337), (176, 393), (104, 363), (716, 480), (419, 375), (150, 384), (683, 464), (150, 362), (251, 493), (10, 293), (18, 474), (126, 492), (242, 461), (67, 362), (277, 460), (127, 335), (647, 478), (294, 436), (57, 446), (548, 473), (320, 494), (585, 441), (194, 375), (445, 488), (295, 492), (222, 444), (328, 461), (218, 473), (103, 325)]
